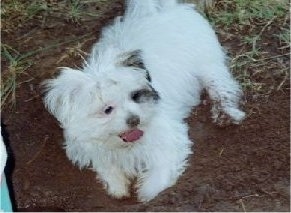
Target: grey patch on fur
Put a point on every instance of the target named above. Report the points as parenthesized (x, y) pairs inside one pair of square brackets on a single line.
[(145, 95), (148, 77), (134, 59)]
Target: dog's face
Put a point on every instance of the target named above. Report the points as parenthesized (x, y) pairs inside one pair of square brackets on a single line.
[(115, 105)]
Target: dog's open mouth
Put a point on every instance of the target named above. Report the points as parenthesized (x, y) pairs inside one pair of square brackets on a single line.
[(131, 135)]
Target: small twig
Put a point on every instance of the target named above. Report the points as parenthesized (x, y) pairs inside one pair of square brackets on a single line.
[(39, 151), (266, 25), (282, 82), (52, 46), (273, 57), (32, 98), (256, 38), (284, 47), (221, 151), (242, 205), (26, 81), (244, 197), (268, 193), (252, 195), (75, 49)]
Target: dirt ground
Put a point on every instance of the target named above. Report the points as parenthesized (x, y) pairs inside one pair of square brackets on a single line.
[(234, 168)]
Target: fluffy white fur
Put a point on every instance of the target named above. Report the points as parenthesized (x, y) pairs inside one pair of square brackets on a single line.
[(181, 54)]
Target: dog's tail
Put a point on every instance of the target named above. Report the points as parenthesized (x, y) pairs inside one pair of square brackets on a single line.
[(143, 8)]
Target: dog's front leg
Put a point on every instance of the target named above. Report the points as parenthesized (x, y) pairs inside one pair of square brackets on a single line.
[(115, 181), (153, 182)]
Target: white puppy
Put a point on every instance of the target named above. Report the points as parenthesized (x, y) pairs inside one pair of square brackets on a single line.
[(122, 114)]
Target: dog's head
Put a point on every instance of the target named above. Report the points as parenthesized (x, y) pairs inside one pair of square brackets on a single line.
[(112, 105)]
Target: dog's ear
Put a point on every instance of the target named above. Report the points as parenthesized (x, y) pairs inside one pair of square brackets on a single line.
[(134, 59), (62, 94)]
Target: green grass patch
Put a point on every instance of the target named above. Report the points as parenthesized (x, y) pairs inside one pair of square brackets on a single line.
[(246, 12), (255, 28), (14, 13), (17, 64)]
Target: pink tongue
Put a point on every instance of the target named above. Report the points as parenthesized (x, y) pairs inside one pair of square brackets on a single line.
[(131, 135)]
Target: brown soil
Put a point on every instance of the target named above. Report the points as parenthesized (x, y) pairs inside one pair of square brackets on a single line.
[(235, 168)]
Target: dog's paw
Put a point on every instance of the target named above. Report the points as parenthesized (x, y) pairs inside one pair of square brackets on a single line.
[(118, 191), (117, 186), (146, 194), (227, 116), (151, 187)]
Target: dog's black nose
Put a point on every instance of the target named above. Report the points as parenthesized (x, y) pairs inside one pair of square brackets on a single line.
[(133, 121)]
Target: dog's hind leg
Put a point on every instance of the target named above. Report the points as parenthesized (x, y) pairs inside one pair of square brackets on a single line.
[(225, 93)]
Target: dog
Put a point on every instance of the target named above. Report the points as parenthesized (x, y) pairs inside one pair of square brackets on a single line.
[(123, 112)]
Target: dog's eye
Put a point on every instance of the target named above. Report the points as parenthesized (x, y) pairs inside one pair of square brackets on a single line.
[(144, 95), (108, 110), (135, 96)]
